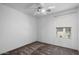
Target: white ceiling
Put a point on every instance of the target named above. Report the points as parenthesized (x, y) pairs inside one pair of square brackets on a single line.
[(29, 7)]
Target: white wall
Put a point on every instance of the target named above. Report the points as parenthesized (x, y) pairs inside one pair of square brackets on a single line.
[(78, 28), (16, 29), (48, 26)]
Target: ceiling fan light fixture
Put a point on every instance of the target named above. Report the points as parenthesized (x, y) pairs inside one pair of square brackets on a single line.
[(41, 10)]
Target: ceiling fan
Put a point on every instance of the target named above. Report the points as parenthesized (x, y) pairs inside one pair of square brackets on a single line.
[(42, 9)]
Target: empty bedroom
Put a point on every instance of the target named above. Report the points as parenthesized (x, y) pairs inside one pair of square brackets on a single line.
[(39, 28)]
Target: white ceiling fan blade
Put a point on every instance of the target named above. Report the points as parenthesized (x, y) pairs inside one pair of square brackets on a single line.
[(51, 7)]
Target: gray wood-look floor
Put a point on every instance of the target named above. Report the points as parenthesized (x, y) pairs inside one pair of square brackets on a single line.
[(38, 48)]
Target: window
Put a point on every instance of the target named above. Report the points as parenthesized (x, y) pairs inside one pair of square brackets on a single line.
[(63, 32)]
